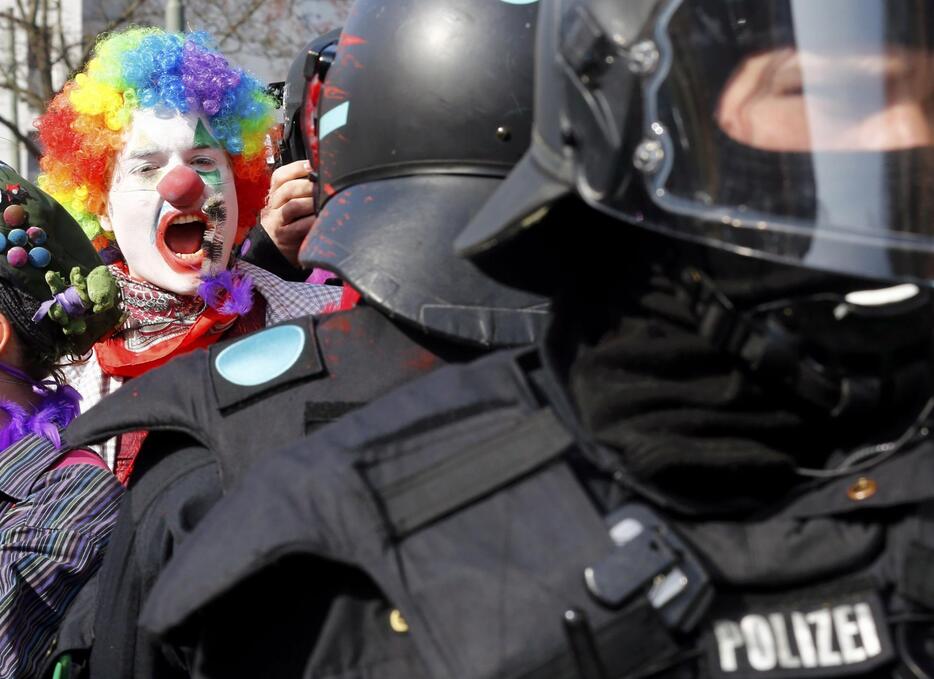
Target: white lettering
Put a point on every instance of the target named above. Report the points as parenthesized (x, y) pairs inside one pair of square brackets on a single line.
[(729, 638), (759, 643), (867, 630), (847, 629), (826, 637), (826, 656), (804, 640), (786, 658)]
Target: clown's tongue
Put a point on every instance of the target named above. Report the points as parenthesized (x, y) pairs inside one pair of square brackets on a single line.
[(185, 238)]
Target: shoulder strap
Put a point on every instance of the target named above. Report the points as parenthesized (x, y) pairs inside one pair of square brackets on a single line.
[(170, 398)]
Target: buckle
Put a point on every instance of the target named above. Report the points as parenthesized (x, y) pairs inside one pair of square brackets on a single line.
[(649, 559)]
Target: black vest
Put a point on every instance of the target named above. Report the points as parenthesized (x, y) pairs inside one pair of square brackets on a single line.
[(459, 499), (243, 398)]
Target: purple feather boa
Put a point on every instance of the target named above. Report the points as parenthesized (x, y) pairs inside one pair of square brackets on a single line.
[(58, 407), (228, 292)]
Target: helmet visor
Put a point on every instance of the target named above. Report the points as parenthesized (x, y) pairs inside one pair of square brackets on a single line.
[(797, 130)]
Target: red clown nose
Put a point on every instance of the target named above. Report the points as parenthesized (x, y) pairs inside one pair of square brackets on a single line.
[(181, 187)]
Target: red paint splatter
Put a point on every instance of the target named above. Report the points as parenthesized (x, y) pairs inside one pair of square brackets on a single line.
[(329, 189), (334, 92), (422, 361), (341, 324), (348, 40), (368, 199), (314, 91), (348, 59)]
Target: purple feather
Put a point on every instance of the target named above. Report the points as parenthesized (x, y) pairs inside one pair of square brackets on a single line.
[(58, 407), (15, 428), (228, 293), (57, 410), (44, 423)]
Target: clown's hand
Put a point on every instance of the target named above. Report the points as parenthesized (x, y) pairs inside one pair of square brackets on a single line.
[(102, 289), (290, 209)]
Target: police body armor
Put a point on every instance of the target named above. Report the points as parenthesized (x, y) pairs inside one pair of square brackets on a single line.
[(240, 401), (246, 397), (492, 558)]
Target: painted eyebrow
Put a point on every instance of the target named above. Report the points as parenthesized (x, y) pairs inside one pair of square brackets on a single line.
[(143, 153)]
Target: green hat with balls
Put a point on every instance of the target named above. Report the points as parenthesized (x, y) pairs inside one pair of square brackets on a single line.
[(45, 254)]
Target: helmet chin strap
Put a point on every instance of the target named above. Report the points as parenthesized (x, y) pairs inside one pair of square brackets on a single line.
[(773, 354)]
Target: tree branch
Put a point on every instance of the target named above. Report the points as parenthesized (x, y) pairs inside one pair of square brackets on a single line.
[(65, 49), (111, 24), (32, 99), (234, 28), (30, 145)]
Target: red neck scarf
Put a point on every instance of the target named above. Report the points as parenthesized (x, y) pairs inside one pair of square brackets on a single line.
[(159, 325)]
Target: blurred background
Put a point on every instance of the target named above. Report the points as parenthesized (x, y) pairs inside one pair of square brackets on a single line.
[(44, 42)]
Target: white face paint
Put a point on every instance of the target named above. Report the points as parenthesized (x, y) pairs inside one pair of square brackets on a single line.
[(172, 244)]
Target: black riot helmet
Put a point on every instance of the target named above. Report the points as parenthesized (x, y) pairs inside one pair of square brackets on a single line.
[(295, 92), (779, 155), (791, 130), (421, 109)]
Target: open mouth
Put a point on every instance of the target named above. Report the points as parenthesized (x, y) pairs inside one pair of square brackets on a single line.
[(181, 239)]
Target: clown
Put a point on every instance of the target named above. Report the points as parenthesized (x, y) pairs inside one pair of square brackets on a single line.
[(158, 149)]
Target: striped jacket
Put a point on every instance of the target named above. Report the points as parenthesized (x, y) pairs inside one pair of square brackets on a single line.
[(55, 521)]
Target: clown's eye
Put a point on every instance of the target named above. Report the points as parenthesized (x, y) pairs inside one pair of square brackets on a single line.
[(145, 169), (204, 164)]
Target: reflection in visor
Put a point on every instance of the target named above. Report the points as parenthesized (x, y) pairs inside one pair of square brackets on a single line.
[(788, 99), (799, 130)]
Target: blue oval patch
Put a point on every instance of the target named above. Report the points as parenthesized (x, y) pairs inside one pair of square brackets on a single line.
[(261, 357)]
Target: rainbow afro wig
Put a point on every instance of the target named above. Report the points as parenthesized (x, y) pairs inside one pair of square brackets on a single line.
[(83, 129)]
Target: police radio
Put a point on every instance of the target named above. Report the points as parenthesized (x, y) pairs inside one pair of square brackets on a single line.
[(650, 560)]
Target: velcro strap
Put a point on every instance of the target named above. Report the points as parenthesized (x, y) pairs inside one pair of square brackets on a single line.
[(475, 471)]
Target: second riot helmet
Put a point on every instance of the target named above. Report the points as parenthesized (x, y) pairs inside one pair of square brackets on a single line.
[(417, 114)]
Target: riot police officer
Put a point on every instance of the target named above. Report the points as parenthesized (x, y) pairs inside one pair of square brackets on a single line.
[(405, 149), (718, 463)]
